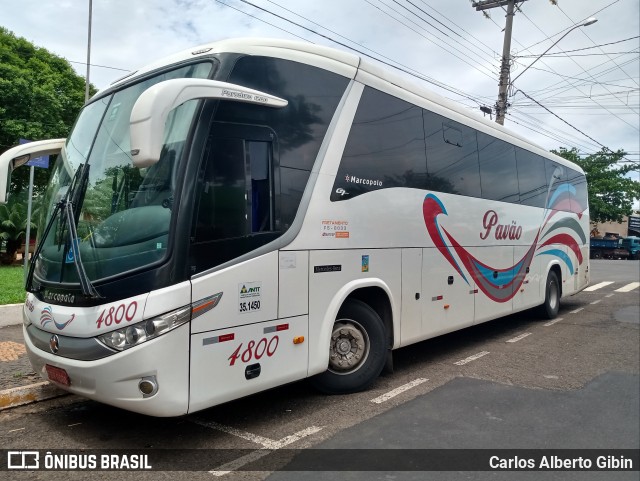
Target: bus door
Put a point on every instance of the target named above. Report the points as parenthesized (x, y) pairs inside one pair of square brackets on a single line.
[(239, 347)]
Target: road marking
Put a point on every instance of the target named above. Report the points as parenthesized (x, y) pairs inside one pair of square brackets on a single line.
[(520, 337), (597, 286), (610, 295), (254, 438), (576, 311), (399, 390), (236, 464), (471, 358), (71, 425), (628, 287), (596, 302), (16, 430), (551, 323)]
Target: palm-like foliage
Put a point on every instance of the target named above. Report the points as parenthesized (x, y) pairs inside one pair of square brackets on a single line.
[(13, 226)]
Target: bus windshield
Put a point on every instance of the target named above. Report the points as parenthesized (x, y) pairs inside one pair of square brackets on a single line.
[(123, 214)]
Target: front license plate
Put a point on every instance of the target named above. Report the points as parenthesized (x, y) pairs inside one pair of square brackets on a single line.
[(58, 375)]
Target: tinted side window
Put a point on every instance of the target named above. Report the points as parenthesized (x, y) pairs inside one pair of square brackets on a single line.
[(532, 178), (580, 200), (498, 172), (385, 147), (557, 178), (313, 95), (452, 156)]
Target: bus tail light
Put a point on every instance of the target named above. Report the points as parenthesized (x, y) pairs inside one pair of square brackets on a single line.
[(130, 336)]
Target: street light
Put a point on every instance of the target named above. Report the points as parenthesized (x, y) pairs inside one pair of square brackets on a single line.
[(500, 113), (589, 21)]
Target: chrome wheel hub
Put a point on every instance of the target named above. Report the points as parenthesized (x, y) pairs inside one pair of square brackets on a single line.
[(349, 347)]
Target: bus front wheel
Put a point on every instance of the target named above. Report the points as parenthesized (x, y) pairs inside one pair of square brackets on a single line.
[(551, 304), (357, 350)]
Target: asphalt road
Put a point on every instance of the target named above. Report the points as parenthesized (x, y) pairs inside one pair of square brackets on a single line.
[(514, 383)]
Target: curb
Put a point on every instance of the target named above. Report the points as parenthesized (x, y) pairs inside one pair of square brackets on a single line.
[(19, 396), (11, 314)]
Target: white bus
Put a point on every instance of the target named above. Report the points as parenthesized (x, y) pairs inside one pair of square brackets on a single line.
[(254, 212)]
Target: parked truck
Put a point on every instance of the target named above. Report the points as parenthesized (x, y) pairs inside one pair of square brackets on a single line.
[(608, 248), (632, 246)]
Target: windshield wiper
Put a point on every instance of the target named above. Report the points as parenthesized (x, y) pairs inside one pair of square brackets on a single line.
[(76, 191)]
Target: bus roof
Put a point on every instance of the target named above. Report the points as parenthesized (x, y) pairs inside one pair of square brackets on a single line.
[(369, 72)]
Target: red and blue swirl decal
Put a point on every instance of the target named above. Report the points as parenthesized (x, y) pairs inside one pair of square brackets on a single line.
[(501, 285), (46, 317)]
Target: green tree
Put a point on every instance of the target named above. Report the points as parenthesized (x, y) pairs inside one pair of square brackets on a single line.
[(40, 97), (611, 192)]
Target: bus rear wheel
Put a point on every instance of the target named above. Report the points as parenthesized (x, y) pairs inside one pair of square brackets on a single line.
[(357, 350), (551, 304)]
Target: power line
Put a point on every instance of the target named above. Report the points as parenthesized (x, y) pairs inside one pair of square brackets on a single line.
[(101, 66), (489, 75), (445, 26), (405, 70), (467, 34), (560, 118), (587, 48), (580, 66), (264, 21), (563, 54), (585, 34)]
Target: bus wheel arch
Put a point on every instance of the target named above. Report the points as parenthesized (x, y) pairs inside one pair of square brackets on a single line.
[(361, 338)]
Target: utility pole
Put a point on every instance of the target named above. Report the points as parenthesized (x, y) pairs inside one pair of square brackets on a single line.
[(503, 85), (86, 87)]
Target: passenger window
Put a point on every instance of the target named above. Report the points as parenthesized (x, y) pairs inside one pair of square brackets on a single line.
[(558, 197), (385, 147), (313, 95), (532, 178), (452, 156), (498, 173), (580, 197)]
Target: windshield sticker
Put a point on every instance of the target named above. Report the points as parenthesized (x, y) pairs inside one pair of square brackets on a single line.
[(249, 297), (74, 248), (46, 317), (338, 229)]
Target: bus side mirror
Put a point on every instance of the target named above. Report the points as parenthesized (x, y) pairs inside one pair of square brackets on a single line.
[(21, 154), (152, 108)]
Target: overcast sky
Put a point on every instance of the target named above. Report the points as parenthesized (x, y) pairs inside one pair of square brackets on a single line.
[(594, 91)]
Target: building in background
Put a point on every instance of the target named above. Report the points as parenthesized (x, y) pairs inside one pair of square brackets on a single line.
[(630, 226)]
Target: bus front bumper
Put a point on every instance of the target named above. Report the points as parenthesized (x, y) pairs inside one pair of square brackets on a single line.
[(116, 379)]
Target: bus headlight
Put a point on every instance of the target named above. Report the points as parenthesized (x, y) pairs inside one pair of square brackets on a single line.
[(135, 334)]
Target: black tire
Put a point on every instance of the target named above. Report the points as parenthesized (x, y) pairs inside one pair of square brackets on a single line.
[(596, 255), (357, 350), (551, 304)]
